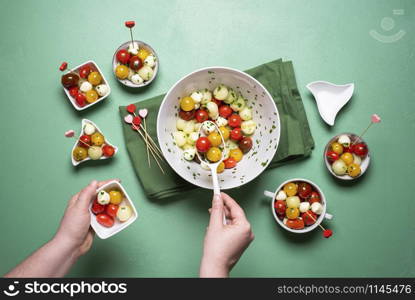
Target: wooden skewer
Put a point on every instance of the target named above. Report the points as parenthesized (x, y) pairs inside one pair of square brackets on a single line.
[(150, 139), (148, 153), (322, 228)]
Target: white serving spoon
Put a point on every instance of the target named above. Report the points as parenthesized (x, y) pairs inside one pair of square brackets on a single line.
[(213, 166)]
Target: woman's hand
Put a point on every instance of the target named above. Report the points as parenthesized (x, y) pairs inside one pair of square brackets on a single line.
[(224, 244), (75, 231)]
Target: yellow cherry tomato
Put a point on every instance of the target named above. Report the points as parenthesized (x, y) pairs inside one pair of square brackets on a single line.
[(215, 139), (353, 170), (292, 212), (347, 158), (115, 197), (91, 96), (122, 71), (187, 104), (337, 147), (236, 154), (225, 132), (290, 189), (214, 154), (94, 78), (97, 139), (220, 168), (143, 53), (79, 153)]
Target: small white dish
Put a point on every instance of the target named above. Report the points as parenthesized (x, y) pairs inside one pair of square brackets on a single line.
[(330, 98), (321, 217), (363, 166), (104, 232), (85, 121), (104, 81), (127, 82)]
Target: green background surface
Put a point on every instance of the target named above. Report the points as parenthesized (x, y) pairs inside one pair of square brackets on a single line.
[(326, 40)]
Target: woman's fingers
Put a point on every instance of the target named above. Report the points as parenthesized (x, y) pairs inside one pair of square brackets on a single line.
[(236, 212), (216, 214)]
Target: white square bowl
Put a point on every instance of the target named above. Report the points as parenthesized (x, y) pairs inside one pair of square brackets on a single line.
[(104, 81), (104, 232)]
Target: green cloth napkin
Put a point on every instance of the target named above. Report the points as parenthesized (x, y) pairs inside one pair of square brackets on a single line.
[(296, 141)]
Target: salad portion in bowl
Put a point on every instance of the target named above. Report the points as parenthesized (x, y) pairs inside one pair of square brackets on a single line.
[(242, 110)]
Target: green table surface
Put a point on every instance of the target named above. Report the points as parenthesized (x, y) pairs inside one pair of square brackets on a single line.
[(373, 220)]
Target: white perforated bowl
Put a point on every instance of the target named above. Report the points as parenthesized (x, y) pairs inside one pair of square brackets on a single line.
[(265, 138)]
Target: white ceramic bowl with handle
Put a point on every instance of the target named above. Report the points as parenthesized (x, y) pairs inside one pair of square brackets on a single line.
[(321, 217), (265, 139)]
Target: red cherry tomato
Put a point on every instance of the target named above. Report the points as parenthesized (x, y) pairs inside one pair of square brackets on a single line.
[(360, 149), (314, 197), (73, 91), (229, 163), (84, 71), (105, 220), (309, 217), (280, 207), (332, 156), (108, 150), (187, 115), (245, 144), (135, 63), (234, 120), (123, 56), (85, 141), (225, 111), (304, 190), (236, 134), (201, 115), (348, 149), (218, 102), (203, 144), (80, 99), (295, 224), (97, 208), (111, 210)]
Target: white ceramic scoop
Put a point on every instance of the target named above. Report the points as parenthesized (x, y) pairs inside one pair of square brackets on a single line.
[(213, 166)]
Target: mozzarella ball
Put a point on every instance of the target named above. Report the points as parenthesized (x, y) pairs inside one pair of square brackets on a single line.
[(130, 74), (102, 89), (103, 198), (94, 152), (220, 92), (246, 114), (317, 208), (189, 154), (146, 73), (226, 153), (179, 138), (232, 96), (150, 61), (239, 104), (89, 129), (85, 86), (304, 206), (208, 127), (344, 139), (197, 96), (197, 105), (133, 48), (231, 145), (213, 109), (136, 79), (192, 138), (180, 124), (339, 167), (124, 213), (189, 127), (293, 201), (204, 166), (221, 121), (248, 127), (281, 195), (357, 159), (207, 96)]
